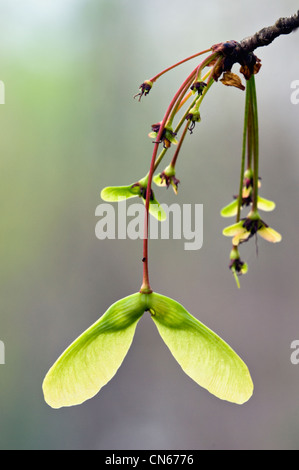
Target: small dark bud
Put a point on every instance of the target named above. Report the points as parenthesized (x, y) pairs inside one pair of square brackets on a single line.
[(198, 86), (144, 89)]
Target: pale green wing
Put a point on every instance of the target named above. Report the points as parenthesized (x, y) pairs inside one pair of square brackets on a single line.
[(171, 138), (234, 229), (203, 355), (270, 234), (156, 210), (231, 209), (118, 193), (265, 205), (153, 135), (94, 358), (158, 180)]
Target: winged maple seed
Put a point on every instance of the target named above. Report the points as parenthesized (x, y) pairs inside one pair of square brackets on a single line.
[(92, 360)]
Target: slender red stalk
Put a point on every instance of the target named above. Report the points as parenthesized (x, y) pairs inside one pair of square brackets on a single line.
[(179, 146), (146, 288), (180, 98), (178, 63)]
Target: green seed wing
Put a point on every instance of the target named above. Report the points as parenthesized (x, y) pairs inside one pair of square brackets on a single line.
[(94, 358), (119, 193), (158, 180), (231, 209), (234, 229), (265, 204), (156, 210), (203, 355)]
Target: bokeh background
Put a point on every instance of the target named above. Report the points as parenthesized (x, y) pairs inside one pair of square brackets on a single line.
[(70, 127)]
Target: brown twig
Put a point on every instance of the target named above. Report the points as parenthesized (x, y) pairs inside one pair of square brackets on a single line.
[(242, 52), (265, 36)]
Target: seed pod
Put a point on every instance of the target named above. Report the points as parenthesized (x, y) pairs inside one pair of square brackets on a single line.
[(203, 355), (94, 358)]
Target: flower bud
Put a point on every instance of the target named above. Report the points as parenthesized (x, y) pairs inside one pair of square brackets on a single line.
[(144, 89)]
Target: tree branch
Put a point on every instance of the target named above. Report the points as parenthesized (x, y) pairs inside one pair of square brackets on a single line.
[(265, 36), (242, 52)]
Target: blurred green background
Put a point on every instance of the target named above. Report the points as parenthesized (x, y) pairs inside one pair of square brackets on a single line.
[(70, 127)]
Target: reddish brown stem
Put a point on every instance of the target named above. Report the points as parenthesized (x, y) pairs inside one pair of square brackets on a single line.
[(174, 159), (178, 63), (146, 288)]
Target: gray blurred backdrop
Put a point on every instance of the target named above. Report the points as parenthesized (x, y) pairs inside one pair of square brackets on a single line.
[(69, 127)]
